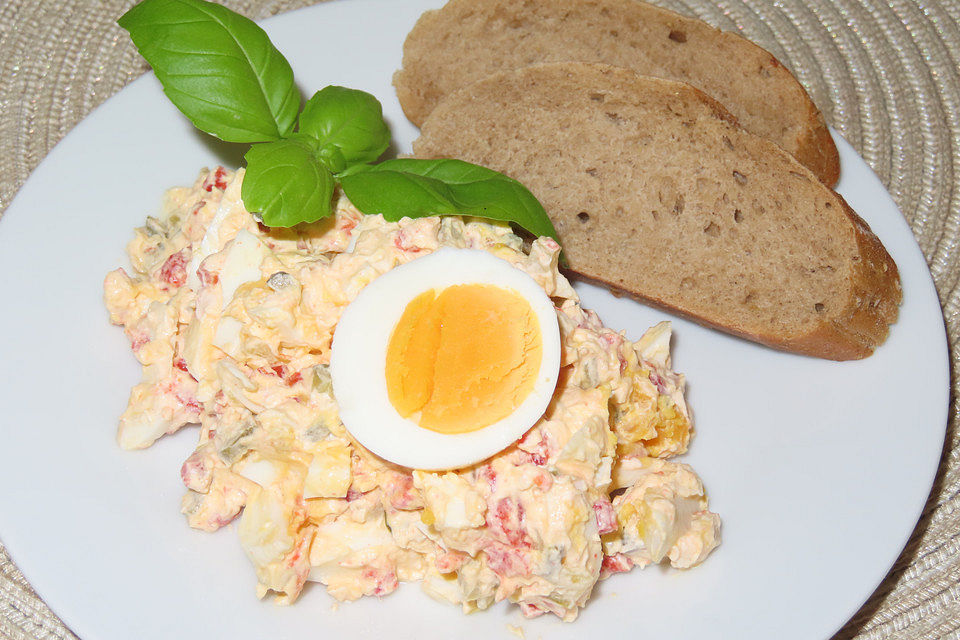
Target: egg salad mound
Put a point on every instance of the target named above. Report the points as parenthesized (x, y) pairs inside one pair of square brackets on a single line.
[(233, 324)]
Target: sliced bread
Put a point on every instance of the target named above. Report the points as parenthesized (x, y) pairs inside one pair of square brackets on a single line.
[(655, 191), (469, 39)]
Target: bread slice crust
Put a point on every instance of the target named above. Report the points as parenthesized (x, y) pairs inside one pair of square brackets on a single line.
[(466, 40), (657, 192)]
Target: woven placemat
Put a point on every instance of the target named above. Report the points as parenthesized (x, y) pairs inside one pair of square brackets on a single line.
[(884, 73)]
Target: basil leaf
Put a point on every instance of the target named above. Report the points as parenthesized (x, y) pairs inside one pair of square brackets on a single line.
[(419, 188), (445, 169), (217, 67), (349, 119), (332, 158), (285, 183), (352, 169)]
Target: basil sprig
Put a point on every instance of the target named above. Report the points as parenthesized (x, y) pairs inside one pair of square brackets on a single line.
[(223, 73)]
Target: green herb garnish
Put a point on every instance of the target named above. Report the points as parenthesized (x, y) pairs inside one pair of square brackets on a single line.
[(349, 120), (223, 73), (286, 184), (219, 68), (417, 188)]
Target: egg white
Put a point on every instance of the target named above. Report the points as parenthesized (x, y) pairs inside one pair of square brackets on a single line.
[(358, 361)]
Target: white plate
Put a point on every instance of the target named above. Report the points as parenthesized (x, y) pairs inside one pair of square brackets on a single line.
[(819, 470)]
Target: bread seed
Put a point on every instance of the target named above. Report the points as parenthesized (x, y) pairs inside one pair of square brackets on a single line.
[(678, 205)]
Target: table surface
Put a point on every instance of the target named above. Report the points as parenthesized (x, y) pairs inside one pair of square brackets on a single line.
[(885, 74)]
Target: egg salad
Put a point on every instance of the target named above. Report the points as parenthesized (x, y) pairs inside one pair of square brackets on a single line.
[(234, 324)]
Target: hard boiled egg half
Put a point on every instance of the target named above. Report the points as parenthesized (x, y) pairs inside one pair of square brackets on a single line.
[(446, 360)]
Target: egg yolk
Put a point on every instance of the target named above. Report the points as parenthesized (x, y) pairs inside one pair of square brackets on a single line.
[(464, 358)]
